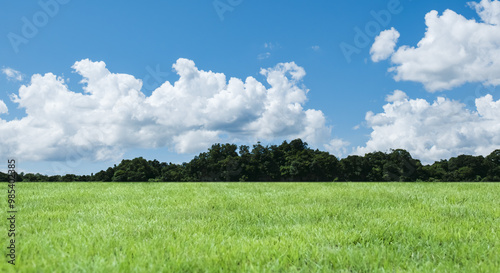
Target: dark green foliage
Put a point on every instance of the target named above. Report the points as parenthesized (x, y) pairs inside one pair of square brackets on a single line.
[(436, 172), (324, 167), (105, 176), (4, 177), (405, 168), (466, 168), (354, 168), (492, 164), (220, 163), (29, 177), (290, 162), (68, 178), (172, 173), (137, 169), (55, 178)]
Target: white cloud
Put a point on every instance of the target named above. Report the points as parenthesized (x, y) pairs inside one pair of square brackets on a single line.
[(264, 56), (271, 46), (315, 48), (384, 45), (3, 107), (398, 95), (200, 108), (454, 51), (194, 141), (337, 147), (12, 74), (488, 10), (434, 131)]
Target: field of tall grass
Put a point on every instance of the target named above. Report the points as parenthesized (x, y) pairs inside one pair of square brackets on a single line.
[(255, 227)]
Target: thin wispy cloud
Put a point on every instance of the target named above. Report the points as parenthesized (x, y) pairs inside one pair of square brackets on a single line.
[(264, 56), (3, 107), (271, 46), (12, 74)]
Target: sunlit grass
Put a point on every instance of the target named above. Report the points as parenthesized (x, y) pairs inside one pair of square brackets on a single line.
[(256, 227)]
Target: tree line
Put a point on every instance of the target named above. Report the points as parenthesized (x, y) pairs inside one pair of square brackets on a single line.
[(293, 161)]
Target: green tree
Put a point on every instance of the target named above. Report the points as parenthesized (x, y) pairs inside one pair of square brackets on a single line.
[(105, 176), (492, 163), (376, 161), (54, 178), (400, 166), (30, 177), (137, 169), (4, 177), (438, 171), (68, 178), (173, 173), (324, 167), (466, 168), (354, 168)]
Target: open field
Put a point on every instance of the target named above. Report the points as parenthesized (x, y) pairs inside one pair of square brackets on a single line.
[(255, 227)]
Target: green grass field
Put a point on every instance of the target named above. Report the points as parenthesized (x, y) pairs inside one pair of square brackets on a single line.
[(255, 227)]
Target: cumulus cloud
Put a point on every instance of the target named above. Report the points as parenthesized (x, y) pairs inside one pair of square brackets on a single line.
[(437, 130), (397, 95), (488, 10), (384, 45), (112, 114), (337, 147), (12, 74), (194, 141), (454, 51)]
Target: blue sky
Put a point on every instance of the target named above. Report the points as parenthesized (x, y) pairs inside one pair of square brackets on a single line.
[(435, 115)]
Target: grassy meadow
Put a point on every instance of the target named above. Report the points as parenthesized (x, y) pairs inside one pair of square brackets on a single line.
[(255, 227)]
